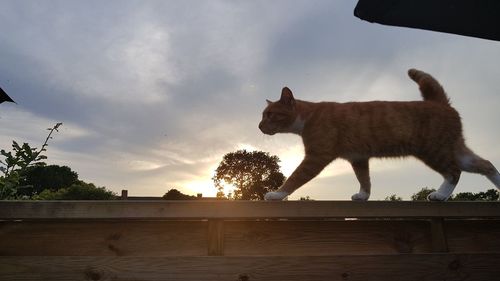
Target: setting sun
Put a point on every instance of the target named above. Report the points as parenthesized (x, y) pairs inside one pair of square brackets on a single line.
[(203, 186), (206, 187)]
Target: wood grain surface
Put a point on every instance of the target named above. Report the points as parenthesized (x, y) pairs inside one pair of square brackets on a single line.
[(243, 241), (412, 267), (49, 210)]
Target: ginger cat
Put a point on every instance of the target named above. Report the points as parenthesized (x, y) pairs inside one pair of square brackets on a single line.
[(429, 130)]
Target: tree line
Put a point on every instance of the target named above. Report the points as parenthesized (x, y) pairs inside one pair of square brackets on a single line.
[(489, 195)]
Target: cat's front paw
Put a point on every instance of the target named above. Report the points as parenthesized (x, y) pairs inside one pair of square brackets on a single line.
[(275, 196), (360, 196), (436, 196)]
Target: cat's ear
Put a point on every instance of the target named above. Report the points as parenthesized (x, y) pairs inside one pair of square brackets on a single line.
[(269, 102), (287, 97)]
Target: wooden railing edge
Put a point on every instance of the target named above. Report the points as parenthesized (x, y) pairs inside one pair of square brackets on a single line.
[(162, 209)]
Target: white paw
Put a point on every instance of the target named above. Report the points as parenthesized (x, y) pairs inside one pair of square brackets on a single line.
[(275, 195), (360, 196), (436, 196)]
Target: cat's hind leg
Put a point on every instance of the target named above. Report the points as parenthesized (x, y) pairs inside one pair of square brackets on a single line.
[(470, 162), (361, 169), (448, 168), (446, 189)]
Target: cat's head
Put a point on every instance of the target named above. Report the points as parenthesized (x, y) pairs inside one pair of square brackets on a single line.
[(279, 116)]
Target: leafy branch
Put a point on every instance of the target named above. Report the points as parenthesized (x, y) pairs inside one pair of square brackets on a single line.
[(49, 137), (18, 160)]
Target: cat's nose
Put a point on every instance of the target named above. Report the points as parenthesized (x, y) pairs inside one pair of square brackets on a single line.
[(261, 127)]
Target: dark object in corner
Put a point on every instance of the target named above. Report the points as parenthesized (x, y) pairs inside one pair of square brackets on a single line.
[(5, 97), (464, 17)]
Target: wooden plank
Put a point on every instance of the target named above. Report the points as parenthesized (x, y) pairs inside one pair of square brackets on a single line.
[(320, 238), (215, 237), (473, 235), (412, 267), (189, 238), (12, 210), (438, 236), (103, 238)]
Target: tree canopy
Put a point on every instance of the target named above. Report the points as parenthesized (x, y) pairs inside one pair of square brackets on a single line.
[(393, 197), (489, 195), (422, 194), (77, 191), (174, 194), (38, 178), (253, 174), (16, 162)]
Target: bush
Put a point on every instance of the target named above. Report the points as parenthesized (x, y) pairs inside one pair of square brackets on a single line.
[(39, 178), (174, 194), (393, 197), (77, 191), (422, 194), (15, 164)]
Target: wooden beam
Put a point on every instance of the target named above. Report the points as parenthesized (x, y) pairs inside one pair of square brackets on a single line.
[(215, 239), (103, 238), (324, 238), (402, 267), (47, 210), (438, 236), (473, 236), (243, 238)]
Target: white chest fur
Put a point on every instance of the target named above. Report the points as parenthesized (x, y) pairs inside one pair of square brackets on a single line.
[(297, 126)]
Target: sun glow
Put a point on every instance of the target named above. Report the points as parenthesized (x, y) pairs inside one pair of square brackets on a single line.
[(203, 186), (292, 157), (228, 188), (206, 187)]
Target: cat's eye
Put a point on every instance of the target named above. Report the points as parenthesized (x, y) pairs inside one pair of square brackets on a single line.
[(271, 115), (275, 116)]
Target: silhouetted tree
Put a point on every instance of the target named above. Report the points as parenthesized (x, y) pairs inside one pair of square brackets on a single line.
[(489, 195), (422, 194), (174, 194), (77, 191), (393, 197), (15, 163), (38, 178), (252, 173)]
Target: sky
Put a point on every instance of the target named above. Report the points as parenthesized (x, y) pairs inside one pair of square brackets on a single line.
[(152, 94)]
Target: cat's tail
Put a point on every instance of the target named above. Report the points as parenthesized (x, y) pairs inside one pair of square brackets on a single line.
[(430, 88)]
